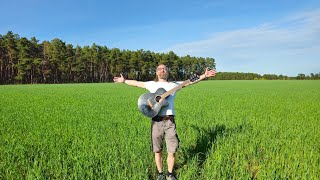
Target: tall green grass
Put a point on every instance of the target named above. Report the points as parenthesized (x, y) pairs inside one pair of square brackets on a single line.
[(228, 130)]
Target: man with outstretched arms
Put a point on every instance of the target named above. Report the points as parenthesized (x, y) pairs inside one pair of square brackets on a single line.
[(163, 125)]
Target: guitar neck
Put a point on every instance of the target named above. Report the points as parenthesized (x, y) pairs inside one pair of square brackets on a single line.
[(166, 94)]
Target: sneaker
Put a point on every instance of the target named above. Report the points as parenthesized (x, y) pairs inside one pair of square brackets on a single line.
[(171, 177), (161, 176)]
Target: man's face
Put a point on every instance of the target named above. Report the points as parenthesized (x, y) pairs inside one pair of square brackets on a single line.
[(162, 72)]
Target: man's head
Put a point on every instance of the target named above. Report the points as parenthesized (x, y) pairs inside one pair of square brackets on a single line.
[(162, 72)]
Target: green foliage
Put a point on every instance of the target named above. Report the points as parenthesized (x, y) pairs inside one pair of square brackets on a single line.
[(228, 130), (26, 61)]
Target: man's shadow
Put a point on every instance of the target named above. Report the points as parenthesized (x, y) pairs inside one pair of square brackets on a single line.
[(207, 138)]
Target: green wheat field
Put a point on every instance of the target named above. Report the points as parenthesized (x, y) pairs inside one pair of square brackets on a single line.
[(227, 129)]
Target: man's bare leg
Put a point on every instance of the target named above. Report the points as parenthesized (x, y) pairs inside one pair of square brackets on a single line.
[(170, 161), (158, 158)]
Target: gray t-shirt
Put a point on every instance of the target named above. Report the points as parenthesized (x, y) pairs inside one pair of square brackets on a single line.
[(152, 86)]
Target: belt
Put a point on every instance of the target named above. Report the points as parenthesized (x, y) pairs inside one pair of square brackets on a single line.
[(163, 118)]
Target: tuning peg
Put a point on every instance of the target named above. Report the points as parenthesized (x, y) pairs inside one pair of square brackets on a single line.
[(194, 77)]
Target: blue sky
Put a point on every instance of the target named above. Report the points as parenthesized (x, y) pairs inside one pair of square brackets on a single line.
[(265, 37)]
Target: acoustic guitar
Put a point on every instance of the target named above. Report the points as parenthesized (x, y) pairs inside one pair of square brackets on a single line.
[(150, 104)]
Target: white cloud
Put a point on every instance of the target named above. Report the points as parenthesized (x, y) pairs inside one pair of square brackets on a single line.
[(288, 46)]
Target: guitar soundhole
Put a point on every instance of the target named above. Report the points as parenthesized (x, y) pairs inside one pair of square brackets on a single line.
[(158, 98)]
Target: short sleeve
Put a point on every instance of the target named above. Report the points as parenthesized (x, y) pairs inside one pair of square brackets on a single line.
[(149, 85)]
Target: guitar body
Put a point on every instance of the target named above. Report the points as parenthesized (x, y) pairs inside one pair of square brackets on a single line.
[(150, 104)]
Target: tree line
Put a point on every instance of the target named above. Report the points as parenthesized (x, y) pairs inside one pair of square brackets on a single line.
[(255, 76), (26, 61)]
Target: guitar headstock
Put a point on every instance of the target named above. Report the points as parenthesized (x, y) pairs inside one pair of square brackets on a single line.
[(194, 77)]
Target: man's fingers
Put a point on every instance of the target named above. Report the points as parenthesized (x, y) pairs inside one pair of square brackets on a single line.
[(116, 80)]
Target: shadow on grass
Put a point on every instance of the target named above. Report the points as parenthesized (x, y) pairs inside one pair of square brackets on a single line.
[(205, 141)]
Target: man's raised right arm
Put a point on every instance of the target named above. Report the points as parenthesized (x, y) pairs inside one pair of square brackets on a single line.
[(121, 79)]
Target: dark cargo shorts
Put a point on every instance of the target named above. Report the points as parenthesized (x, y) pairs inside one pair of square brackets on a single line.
[(164, 127)]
